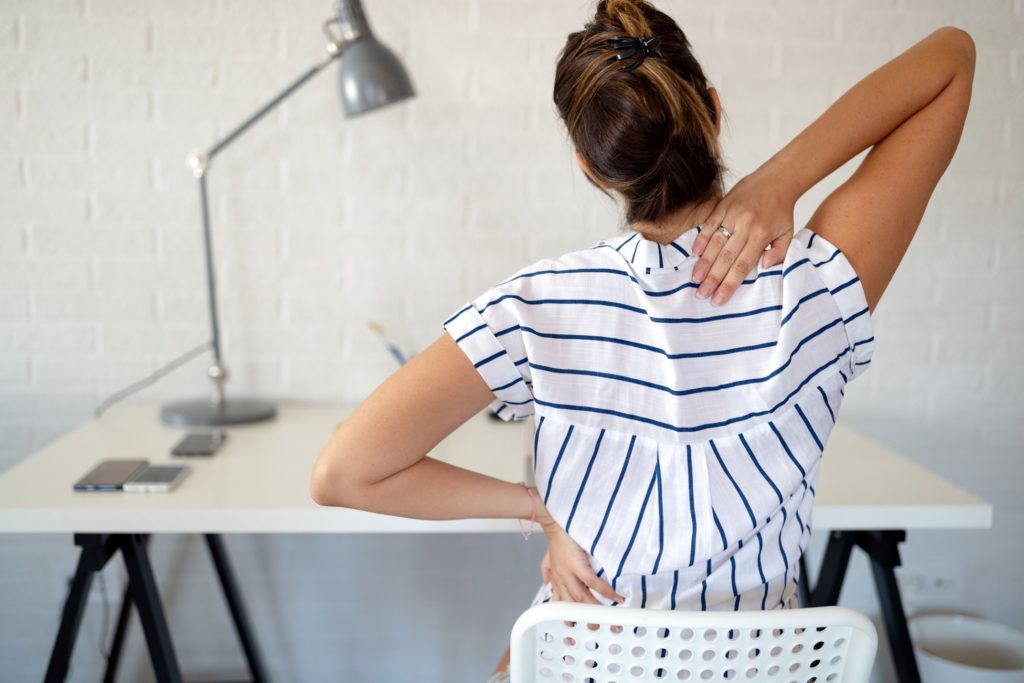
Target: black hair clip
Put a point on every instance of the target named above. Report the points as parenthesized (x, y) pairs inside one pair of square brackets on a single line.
[(637, 49)]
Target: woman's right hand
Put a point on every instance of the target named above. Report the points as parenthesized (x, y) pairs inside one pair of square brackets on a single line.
[(758, 211)]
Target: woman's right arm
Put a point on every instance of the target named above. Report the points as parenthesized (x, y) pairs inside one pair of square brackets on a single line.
[(912, 111)]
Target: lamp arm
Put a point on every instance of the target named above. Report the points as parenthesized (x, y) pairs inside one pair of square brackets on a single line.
[(200, 163)]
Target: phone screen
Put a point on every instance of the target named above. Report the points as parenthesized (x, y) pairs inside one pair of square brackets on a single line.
[(199, 443), (110, 475)]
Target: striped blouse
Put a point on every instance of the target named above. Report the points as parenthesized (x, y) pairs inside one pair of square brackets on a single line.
[(677, 442)]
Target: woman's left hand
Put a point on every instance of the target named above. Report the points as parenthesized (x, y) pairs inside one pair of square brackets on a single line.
[(567, 566), (759, 213)]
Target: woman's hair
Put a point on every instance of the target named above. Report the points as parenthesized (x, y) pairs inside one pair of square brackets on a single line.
[(648, 133)]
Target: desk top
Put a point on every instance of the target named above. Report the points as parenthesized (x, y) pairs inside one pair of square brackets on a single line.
[(258, 482)]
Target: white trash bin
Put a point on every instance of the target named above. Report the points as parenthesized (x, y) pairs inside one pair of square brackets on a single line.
[(954, 648)]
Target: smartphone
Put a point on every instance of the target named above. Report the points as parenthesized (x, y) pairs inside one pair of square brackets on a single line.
[(110, 475), (200, 443), (157, 478)]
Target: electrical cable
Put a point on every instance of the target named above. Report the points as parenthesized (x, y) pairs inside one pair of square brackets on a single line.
[(127, 391)]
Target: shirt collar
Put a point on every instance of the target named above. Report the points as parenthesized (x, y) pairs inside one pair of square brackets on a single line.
[(650, 255)]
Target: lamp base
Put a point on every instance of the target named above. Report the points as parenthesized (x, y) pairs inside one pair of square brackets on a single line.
[(200, 412)]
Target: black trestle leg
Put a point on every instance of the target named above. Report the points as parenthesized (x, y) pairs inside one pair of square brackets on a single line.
[(883, 566), (142, 586), (833, 569), (74, 609), (238, 613)]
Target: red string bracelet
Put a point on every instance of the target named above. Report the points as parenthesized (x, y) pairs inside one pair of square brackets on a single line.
[(533, 514)]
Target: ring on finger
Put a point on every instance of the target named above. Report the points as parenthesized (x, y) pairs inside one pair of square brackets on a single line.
[(725, 231)]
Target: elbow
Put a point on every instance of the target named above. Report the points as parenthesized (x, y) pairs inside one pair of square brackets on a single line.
[(324, 486), (964, 45)]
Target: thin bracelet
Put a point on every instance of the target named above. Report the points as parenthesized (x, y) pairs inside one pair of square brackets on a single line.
[(533, 514)]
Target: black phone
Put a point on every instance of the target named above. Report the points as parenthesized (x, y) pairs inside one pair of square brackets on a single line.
[(200, 443), (110, 475)]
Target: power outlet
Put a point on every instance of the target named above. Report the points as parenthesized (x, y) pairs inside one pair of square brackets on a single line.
[(928, 583)]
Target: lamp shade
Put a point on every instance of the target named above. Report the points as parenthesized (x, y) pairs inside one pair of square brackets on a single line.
[(371, 75)]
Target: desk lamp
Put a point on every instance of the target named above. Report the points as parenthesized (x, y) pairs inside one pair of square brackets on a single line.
[(371, 77)]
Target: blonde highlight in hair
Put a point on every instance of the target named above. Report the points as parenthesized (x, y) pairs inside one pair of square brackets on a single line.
[(650, 133)]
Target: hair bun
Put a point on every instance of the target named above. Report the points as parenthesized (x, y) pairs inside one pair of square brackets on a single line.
[(628, 16)]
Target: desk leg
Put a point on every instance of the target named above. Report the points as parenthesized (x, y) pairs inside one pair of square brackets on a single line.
[(238, 613), (114, 658), (882, 548), (142, 586), (96, 550)]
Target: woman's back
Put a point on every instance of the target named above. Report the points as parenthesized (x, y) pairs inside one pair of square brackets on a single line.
[(677, 442)]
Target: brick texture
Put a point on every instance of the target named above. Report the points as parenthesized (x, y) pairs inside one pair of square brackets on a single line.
[(101, 278)]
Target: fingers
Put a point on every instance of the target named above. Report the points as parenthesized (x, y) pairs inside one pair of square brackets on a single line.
[(777, 253), (737, 271), (707, 229), (598, 584), (714, 241), (726, 251)]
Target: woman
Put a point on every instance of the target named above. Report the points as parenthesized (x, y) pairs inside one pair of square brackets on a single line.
[(678, 428)]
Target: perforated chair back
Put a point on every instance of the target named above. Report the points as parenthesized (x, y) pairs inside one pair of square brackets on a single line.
[(567, 642)]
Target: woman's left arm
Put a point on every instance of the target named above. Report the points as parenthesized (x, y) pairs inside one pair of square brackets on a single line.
[(376, 459)]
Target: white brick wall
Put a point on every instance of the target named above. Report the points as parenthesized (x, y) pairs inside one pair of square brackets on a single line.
[(101, 278)]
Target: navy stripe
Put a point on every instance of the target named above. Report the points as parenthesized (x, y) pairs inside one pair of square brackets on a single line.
[(661, 516), (857, 315), (811, 241), (821, 263), (721, 531), (676, 428), (732, 561), (760, 569), (695, 390), (554, 468), (634, 309), (693, 513), (786, 447), (806, 297), (842, 374), (639, 345), (675, 584), (825, 399), (506, 386), (761, 469), (800, 521), (661, 261), (622, 474), (537, 302), (680, 249), (796, 265), (809, 427), (704, 587), (782, 550), (626, 274), (725, 469), (863, 341), (635, 247), (536, 436), (723, 316), (583, 484), (845, 285), (634, 235), (466, 334), (636, 528), (643, 589), (456, 314), (487, 360)]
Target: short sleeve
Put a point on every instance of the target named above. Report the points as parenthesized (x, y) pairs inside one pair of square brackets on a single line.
[(488, 329), (846, 289)]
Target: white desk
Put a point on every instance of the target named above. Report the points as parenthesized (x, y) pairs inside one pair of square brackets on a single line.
[(258, 482)]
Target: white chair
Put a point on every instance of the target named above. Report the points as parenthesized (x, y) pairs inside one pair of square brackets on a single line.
[(568, 642)]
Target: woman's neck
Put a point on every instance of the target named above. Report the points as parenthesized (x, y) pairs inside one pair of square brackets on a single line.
[(669, 228)]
